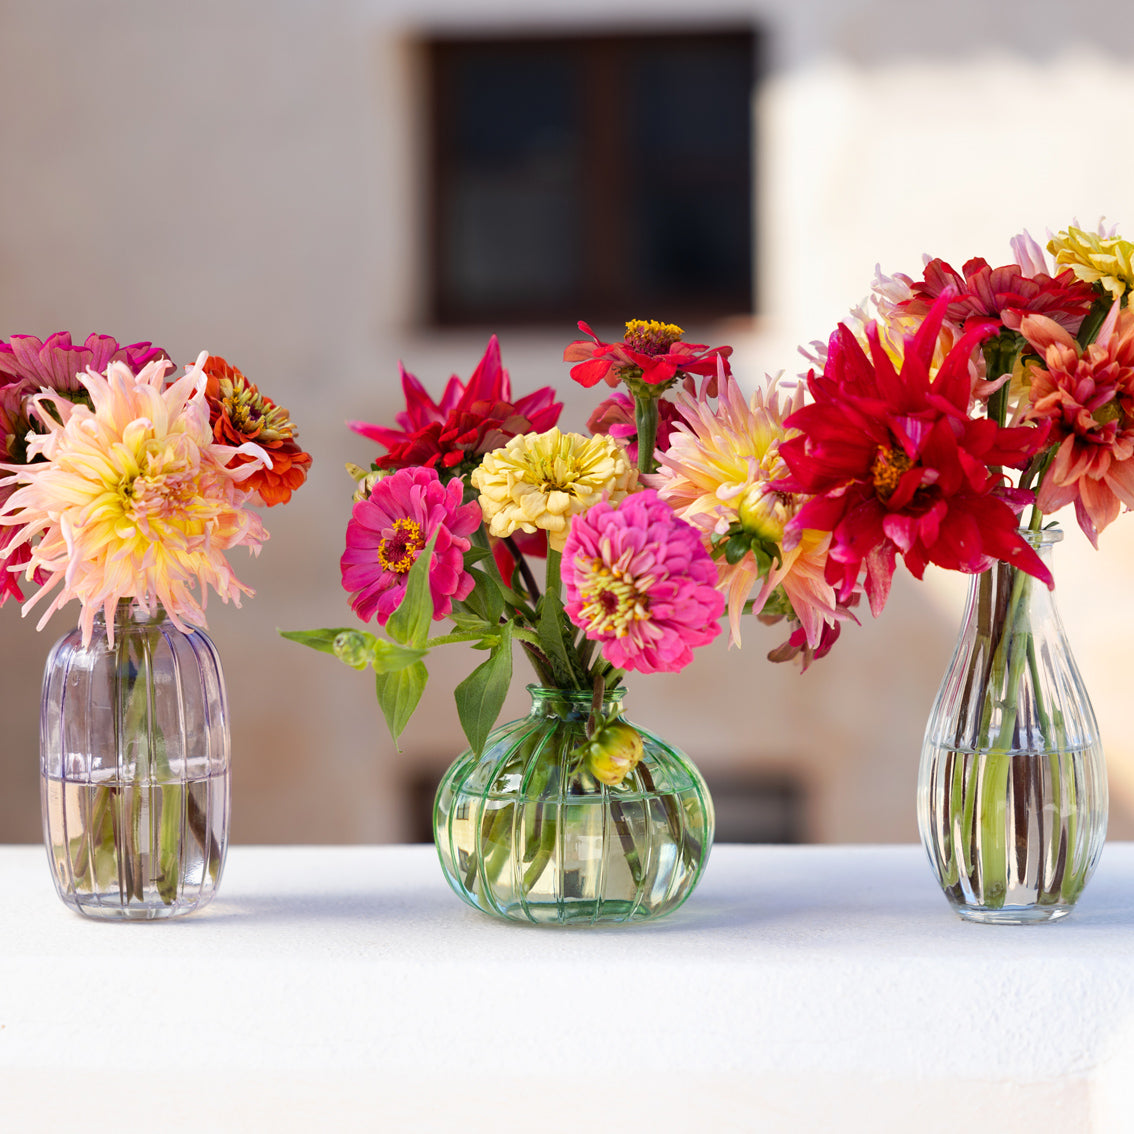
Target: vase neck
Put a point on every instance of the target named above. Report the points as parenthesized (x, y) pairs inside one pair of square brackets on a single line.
[(129, 613), (572, 704)]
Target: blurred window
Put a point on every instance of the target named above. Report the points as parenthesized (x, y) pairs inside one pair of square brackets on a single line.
[(600, 178)]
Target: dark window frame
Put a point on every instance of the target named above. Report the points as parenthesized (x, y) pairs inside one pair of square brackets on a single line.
[(606, 292)]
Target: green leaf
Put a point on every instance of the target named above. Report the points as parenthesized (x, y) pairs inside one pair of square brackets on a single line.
[(480, 696), (489, 599), (410, 622), (550, 634), (398, 695), (322, 640)]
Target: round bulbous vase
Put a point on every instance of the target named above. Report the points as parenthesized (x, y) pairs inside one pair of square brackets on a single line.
[(1012, 788), (526, 832), (134, 768)]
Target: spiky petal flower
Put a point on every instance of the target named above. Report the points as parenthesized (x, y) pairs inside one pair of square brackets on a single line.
[(238, 413), (132, 498), (469, 421), (538, 481), (720, 474), (651, 352), (1096, 258), (896, 465), (390, 528), (638, 579), (1087, 397)]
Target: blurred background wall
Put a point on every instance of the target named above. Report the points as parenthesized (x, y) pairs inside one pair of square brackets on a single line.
[(255, 178)]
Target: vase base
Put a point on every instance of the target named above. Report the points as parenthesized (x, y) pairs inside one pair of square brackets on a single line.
[(106, 911), (608, 912), (1012, 915)]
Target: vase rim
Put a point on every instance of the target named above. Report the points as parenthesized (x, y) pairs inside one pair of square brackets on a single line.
[(586, 695), (1042, 537)]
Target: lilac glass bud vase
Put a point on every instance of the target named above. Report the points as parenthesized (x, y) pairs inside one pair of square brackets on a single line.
[(1012, 792), (134, 768), (528, 831)]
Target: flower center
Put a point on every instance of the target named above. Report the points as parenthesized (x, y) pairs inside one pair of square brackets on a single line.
[(611, 603), (1108, 412), (399, 551), (252, 414), (889, 465), (648, 336)]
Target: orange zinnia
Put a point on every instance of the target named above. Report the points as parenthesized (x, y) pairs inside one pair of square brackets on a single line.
[(238, 412)]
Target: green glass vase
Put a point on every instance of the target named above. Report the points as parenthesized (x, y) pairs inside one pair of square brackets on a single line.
[(525, 831)]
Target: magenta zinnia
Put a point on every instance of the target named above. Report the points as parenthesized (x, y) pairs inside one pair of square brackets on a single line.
[(897, 466), (130, 498), (58, 363), (390, 528), (638, 579)]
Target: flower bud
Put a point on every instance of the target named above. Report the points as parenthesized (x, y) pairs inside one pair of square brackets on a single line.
[(613, 752), (352, 647)]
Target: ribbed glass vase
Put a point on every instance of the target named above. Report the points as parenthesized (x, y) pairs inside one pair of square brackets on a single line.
[(1012, 791), (134, 768), (525, 832)]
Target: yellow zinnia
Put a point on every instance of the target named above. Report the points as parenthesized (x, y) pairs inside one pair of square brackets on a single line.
[(538, 481)]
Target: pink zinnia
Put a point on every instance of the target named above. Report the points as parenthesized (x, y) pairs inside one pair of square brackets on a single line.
[(57, 363), (638, 579), (388, 531)]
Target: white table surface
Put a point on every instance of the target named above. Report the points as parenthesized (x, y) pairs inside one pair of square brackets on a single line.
[(347, 988)]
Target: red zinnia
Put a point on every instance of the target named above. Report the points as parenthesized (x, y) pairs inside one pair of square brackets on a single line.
[(468, 422), (896, 465), (651, 351)]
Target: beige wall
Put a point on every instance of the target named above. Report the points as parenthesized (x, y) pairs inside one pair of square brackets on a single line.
[(243, 177)]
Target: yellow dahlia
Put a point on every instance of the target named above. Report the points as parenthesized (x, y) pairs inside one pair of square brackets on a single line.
[(1096, 258), (718, 475), (538, 481), (130, 498)]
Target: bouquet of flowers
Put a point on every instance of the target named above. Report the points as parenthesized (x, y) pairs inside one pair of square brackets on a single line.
[(917, 412), (124, 489), (648, 527)]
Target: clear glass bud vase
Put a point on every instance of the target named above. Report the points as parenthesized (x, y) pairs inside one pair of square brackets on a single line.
[(527, 832), (134, 768), (1012, 790)]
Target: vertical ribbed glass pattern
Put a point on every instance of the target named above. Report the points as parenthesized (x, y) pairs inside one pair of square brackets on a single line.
[(134, 768), (1012, 791), (527, 834)]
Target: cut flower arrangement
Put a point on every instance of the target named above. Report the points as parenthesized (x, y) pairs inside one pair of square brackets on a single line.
[(647, 528), (933, 419), (125, 489)]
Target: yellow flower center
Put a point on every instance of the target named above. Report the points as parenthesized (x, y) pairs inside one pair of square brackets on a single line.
[(889, 465), (648, 336), (765, 512), (611, 603), (253, 414), (399, 552), (1108, 412)]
